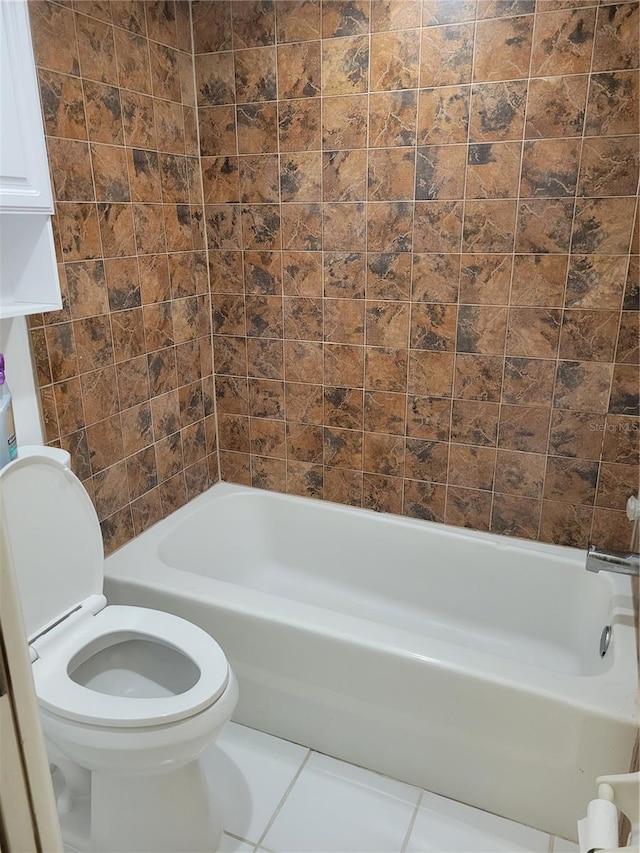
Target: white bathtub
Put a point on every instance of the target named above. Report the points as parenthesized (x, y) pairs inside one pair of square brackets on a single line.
[(462, 662)]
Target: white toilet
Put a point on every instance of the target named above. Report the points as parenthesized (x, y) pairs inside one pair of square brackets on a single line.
[(129, 697)]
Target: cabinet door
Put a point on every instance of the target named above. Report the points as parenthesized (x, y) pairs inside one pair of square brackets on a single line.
[(24, 172)]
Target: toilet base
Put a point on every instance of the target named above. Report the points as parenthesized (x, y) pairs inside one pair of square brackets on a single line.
[(165, 813)]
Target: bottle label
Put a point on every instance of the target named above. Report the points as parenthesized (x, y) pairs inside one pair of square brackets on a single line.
[(11, 438)]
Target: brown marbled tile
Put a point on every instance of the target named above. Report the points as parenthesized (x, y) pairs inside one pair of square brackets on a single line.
[(437, 226), (215, 84), (493, 170), (141, 472), (211, 26), (595, 281), (343, 448), (485, 278), (230, 355), (220, 180), (62, 105), (301, 227), (523, 428), (478, 377), (381, 493), (391, 174), (344, 227), (104, 440), (533, 332), (165, 73), (304, 442), (443, 115), (446, 55), (589, 335), (624, 390), (430, 373), (515, 516), (628, 345), (71, 170), (563, 42), (471, 467), (582, 386), (303, 361), (503, 8), (191, 403), (144, 175), (127, 329), (343, 365), (395, 60), (261, 226), (468, 508), (253, 22), (228, 314), (395, 15), (154, 278), (576, 434), (263, 273), (301, 177), (544, 225), (299, 124), (549, 168), (61, 347), (304, 403), (259, 179), (132, 54), (474, 422), (617, 37), (435, 278), (345, 66), (344, 122), (146, 511), (345, 18), (385, 368), (162, 21), (67, 402), (539, 280), (344, 175), (440, 171), (111, 491), (392, 118), (389, 226), (96, 50), (344, 321), (87, 289), (343, 407), (303, 318), (556, 106), (613, 103), (489, 225), (232, 395), (169, 460), (173, 493), (436, 12), (571, 481), (433, 327), (519, 473), (621, 440), (497, 111), (267, 437), (502, 48), (264, 316), (428, 418), (41, 362), (169, 119), (257, 128), (388, 275), (383, 454), (163, 377), (137, 118), (298, 21), (94, 342), (343, 486), (426, 460), (299, 70), (609, 166), (528, 381), (76, 444), (387, 324), (217, 131), (133, 382), (54, 37), (302, 273), (304, 479), (603, 225), (129, 14), (565, 524), (424, 500), (110, 173), (148, 221), (50, 425)]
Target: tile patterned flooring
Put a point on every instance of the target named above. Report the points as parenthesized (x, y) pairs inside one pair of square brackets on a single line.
[(278, 797)]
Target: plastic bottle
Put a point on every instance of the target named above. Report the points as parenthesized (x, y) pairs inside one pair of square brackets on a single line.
[(8, 443)]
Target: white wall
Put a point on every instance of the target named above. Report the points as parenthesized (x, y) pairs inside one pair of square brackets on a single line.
[(14, 343)]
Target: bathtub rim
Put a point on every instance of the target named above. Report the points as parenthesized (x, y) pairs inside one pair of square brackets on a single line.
[(602, 693)]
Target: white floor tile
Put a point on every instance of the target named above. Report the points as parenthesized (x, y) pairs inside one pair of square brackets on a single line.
[(248, 773), (445, 826), (232, 845), (336, 807), (561, 845)]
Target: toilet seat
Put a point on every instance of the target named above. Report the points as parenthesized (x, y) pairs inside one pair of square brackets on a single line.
[(60, 695)]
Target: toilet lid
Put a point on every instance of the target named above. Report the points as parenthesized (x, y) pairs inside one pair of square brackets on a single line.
[(55, 539)]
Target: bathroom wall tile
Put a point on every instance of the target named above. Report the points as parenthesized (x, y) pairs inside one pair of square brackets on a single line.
[(299, 124), (503, 48), (435, 278), (515, 516), (297, 21), (624, 390), (565, 524), (497, 111), (493, 170), (54, 37), (392, 118), (345, 18), (435, 12), (343, 486), (602, 225), (616, 41), (609, 166), (478, 377), (549, 168), (443, 115), (523, 428), (429, 373), (544, 225), (468, 508), (395, 60), (62, 105), (563, 42), (556, 106), (345, 65), (424, 500), (612, 105), (299, 70), (344, 122), (253, 23)]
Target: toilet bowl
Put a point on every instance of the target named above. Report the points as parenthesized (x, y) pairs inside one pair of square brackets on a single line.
[(129, 697)]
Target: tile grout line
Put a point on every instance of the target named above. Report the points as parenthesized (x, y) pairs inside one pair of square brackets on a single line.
[(283, 799), (412, 822)]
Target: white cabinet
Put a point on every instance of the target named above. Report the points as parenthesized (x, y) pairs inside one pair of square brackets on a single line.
[(29, 281), (24, 173)]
